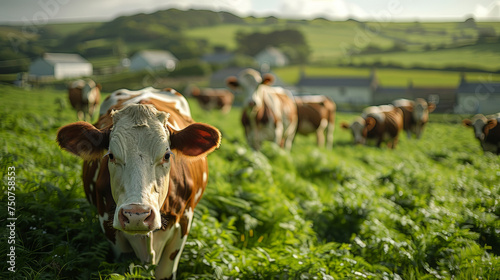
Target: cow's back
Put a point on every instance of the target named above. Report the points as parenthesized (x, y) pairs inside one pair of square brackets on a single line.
[(314, 109), (394, 122)]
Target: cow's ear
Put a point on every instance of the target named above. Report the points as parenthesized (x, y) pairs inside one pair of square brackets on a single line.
[(195, 91), (83, 140), (268, 79), (370, 123), (345, 125), (467, 122), (232, 83), (431, 107), (195, 140), (491, 124), (99, 86)]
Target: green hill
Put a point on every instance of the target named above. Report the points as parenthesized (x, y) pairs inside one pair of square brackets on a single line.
[(193, 33)]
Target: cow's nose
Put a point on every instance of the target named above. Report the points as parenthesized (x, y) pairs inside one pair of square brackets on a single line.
[(136, 217)]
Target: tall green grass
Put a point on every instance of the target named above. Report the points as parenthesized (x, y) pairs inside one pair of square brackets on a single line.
[(427, 210)]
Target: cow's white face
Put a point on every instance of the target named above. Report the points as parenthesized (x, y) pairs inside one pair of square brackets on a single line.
[(139, 165), (250, 81), (357, 129), (478, 125), (89, 92)]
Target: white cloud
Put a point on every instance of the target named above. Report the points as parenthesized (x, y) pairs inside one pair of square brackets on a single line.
[(491, 11), (332, 9)]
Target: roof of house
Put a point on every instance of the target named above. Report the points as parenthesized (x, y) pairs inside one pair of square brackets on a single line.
[(479, 88), (219, 57), (153, 56), (391, 90), (271, 51), (55, 58), (335, 81)]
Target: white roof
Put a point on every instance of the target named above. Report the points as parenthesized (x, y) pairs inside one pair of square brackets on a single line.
[(153, 56), (55, 58)]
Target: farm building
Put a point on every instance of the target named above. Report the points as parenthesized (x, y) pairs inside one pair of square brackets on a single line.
[(443, 97), (477, 97), (153, 60), (218, 57), (60, 66), (385, 95), (347, 92), (271, 57)]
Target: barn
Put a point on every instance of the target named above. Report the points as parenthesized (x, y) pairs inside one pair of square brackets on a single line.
[(153, 60), (271, 57), (477, 97), (60, 66), (350, 93)]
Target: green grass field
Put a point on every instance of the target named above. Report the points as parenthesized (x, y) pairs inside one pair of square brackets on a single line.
[(427, 210)]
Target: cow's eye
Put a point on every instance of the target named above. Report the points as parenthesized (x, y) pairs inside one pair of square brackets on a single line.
[(110, 156), (167, 155)]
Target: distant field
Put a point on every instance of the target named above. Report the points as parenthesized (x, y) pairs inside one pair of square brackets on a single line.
[(331, 42), (68, 28), (485, 57)]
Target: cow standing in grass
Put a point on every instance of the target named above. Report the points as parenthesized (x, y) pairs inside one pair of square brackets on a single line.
[(316, 115), (84, 96), (379, 123), (415, 115), (214, 98), (145, 169), (269, 113), (487, 131)]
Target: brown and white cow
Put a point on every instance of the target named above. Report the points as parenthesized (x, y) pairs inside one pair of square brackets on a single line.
[(379, 123), (415, 115), (316, 114), (487, 131), (84, 96), (269, 113), (214, 98), (145, 169)]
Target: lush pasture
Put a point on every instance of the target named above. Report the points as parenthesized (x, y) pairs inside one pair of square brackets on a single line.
[(427, 210)]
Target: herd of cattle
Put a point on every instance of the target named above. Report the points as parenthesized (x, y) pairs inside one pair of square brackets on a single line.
[(145, 159)]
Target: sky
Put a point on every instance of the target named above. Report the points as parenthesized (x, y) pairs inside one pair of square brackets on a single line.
[(37, 12)]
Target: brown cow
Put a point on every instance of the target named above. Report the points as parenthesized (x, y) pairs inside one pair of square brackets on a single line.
[(210, 98), (316, 114), (84, 96), (415, 115), (487, 131), (269, 113), (379, 123), (152, 176)]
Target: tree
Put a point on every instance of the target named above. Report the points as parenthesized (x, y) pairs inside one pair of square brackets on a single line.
[(292, 42)]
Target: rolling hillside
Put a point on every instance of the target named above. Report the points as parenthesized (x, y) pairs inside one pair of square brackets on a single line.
[(190, 34)]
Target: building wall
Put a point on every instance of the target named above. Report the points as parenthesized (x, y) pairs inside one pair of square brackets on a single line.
[(472, 103), (357, 96), (41, 68), (138, 63), (271, 60), (387, 98), (72, 70)]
